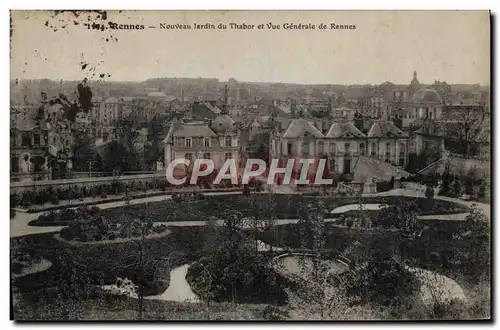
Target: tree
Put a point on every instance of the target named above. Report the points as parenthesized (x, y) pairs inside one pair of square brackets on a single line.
[(464, 127), (126, 132), (85, 158), (456, 187), (270, 217), (119, 158), (402, 215), (477, 231), (445, 183), (154, 148), (312, 235), (84, 96), (311, 225), (231, 266)]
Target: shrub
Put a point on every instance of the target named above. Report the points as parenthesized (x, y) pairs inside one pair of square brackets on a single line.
[(349, 222), (104, 195), (67, 234), (456, 187), (54, 199), (384, 185), (26, 203), (84, 191), (16, 267), (14, 200), (273, 313), (246, 277), (383, 280), (429, 192)]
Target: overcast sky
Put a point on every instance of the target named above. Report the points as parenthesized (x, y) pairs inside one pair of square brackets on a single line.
[(385, 46)]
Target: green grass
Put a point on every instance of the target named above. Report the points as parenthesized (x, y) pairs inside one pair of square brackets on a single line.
[(103, 263), (114, 309), (286, 207)]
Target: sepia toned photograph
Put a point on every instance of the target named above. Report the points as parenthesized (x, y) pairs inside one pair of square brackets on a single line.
[(250, 165)]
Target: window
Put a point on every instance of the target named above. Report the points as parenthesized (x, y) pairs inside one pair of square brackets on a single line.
[(187, 142), (39, 163), (26, 139), (333, 149), (188, 156), (228, 141), (401, 162), (402, 149), (36, 138), (305, 148), (14, 164), (206, 142), (228, 156), (347, 166), (13, 139), (321, 146), (332, 165), (206, 155), (362, 148), (388, 150), (374, 149), (289, 148), (347, 148)]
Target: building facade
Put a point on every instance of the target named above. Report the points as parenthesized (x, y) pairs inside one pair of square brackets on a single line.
[(218, 140)]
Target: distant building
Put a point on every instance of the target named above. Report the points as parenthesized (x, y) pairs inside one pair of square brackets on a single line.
[(218, 140), (342, 143), (41, 141)]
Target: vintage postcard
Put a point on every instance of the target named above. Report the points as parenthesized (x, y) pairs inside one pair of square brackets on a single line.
[(250, 165)]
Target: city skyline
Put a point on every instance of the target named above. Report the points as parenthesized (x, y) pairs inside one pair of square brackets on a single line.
[(383, 47)]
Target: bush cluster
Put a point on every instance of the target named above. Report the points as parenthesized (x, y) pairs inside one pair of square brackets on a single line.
[(244, 276), (55, 195), (96, 227)]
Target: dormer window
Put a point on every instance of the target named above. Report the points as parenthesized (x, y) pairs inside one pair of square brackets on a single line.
[(228, 141), (188, 143)]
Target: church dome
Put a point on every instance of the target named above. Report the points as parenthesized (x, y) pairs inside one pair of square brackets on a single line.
[(222, 124), (426, 95), (264, 120)]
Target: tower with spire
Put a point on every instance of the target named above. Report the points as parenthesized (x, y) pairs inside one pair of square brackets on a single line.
[(415, 81), (414, 85), (224, 104)]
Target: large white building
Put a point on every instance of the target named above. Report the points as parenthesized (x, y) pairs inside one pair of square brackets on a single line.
[(341, 143), (218, 140)]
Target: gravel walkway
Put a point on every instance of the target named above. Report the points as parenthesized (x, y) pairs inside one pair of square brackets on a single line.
[(179, 289)]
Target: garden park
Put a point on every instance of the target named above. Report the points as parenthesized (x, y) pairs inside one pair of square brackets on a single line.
[(256, 256)]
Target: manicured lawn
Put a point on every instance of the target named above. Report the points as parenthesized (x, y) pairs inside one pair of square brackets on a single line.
[(103, 263), (286, 207), (436, 249)]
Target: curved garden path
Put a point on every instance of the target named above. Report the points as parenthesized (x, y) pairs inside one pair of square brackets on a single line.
[(179, 289), (19, 224)]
